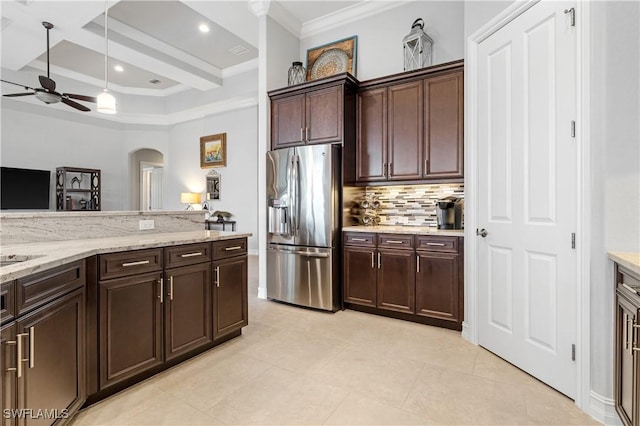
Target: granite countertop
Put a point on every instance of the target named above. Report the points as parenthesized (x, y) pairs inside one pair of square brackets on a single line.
[(46, 255), (630, 261), (399, 229)]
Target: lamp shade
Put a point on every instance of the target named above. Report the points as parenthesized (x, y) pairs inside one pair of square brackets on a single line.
[(190, 198), (106, 103)]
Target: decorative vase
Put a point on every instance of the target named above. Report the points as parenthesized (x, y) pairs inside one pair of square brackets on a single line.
[(297, 73)]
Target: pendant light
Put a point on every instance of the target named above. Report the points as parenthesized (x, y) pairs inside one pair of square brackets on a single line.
[(106, 101)]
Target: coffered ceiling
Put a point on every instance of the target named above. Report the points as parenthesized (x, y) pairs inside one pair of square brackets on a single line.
[(157, 45)]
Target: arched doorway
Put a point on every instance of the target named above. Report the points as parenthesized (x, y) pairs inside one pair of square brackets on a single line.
[(145, 175)]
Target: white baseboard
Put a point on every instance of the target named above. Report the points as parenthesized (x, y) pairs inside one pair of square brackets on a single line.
[(603, 410), (262, 292), (466, 332)]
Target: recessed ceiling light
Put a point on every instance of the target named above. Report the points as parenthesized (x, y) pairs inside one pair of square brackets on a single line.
[(204, 28), (118, 68)]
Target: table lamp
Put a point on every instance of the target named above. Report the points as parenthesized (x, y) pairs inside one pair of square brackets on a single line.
[(190, 198)]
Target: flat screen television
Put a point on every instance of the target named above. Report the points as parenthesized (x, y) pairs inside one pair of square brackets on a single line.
[(25, 189)]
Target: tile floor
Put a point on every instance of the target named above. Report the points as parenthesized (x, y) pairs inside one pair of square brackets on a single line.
[(297, 366)]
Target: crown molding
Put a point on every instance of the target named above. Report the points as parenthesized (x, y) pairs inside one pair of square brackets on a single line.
[(259, 7), (285, 19), (347, 15)]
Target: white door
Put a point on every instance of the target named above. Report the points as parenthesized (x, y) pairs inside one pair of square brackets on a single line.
[(526, 200)]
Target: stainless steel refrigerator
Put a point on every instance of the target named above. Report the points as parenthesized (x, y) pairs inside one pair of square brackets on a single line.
[(303, 228)]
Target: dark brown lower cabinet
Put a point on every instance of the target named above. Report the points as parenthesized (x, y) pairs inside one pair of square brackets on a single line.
[(437, 286), (9, 375), (360, 276), (47, 385), (130, 326), (230, 311), (396, 280), (187, 309), (626, 362)]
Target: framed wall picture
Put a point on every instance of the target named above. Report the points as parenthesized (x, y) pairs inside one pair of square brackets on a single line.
[(332, 58), (213, 151)]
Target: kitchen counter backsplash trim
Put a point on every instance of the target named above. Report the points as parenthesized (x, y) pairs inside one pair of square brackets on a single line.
[(412, 205), (21, 227), (47, 255)]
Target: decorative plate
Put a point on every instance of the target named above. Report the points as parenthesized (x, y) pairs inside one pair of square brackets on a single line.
[(330, 62)]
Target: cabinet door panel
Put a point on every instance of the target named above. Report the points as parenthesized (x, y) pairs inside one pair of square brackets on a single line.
[(437, 289), (53, 376), (130, 322), (230, 311), (360, 276), (287, 121), (625, 380), (188, 309), (405, 131), (9, 379), (443, 111), (396, 280), (371, 143), (324, 115)]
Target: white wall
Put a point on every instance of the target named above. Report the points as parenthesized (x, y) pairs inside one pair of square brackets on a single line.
[(479, 13), (34, 137), (615, 166), (379, 50), (238, 182)]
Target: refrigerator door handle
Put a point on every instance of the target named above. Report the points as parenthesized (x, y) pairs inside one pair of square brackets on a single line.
[(290, 194), (300, 253), (297, 185)]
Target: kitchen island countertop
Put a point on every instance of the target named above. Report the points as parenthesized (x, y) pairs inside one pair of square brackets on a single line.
[(629, 260), (399, 229), (47, 255)]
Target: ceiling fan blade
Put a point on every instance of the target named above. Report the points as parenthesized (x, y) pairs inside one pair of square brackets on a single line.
[(15, 95), (47, 83), (81, 97), (74, 104), (18, 84)]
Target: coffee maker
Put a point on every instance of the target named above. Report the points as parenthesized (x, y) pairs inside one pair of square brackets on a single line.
[(449, 212)]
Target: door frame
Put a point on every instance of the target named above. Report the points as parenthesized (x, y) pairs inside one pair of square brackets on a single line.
[(583, 199)]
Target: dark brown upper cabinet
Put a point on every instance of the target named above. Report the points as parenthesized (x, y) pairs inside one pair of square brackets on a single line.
[(320, 111), (410, 127)]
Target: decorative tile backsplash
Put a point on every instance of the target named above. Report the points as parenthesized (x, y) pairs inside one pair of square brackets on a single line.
[(412, 204)]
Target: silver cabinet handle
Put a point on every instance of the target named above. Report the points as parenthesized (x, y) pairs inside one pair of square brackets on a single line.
[(626, 331), (372, 260), (426, 167), (359, 239), (140, 262), (232, 248), (32, 347), (301, 134), (306, 133), (418, 263), (191, 254), (171, 287), (384, 169), (311, 254), (378, 260), (11, 342), (161, 292), (631, 289), (20, 359), (394, 242), (436, 244), (390, 168), (217, 276)]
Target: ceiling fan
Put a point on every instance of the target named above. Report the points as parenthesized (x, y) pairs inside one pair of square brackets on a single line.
[(47, 93)]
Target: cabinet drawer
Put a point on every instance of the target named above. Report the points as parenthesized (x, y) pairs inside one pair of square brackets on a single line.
[(360, 239), (437, 243), (38, 289), (187, 255), (115, 265), (7, 301), (229, 248), (396, 241), (626, 280)]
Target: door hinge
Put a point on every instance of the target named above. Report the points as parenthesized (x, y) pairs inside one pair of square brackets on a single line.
[(572, 11), (573, 352), (573, 128), (573, 240)]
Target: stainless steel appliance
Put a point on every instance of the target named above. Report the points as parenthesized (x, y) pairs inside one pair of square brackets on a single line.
[(449, 212), (303, 225)]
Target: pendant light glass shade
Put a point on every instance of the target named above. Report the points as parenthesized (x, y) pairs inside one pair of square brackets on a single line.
[(106, 101)]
